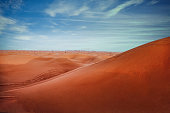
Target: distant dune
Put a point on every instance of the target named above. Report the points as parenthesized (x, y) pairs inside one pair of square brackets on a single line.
[(20, 68), (136, 81), (37, 67)]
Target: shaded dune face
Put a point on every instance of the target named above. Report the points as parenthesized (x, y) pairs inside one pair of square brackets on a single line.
[(136, 81)]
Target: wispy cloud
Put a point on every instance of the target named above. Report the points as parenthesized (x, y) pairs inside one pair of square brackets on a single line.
[(19, 29), (103, 4), (98, 10), (4, 22), (83, 27), (60, 8), (70, 8), (42, 36), (23, 37), (31, 37), (63, 7), (153, 2), (80, 10), (120, 7), (9, 24)]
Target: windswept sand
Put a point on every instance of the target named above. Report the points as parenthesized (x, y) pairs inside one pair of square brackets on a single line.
[(136, 81), (20, 68)]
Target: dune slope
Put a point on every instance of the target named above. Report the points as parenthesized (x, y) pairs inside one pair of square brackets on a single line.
[(36, 70), (136, 81)]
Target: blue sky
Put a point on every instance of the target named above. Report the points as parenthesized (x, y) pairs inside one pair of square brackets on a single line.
[(97, 25)]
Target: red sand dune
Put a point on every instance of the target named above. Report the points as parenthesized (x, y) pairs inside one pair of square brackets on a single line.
[(18, 68), (24, 72), (136, 81), (15, 59)]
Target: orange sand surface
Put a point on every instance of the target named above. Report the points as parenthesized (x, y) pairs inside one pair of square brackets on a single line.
[(18, 68), (136, 81)]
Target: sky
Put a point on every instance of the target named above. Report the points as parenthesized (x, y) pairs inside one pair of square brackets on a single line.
[(90, 25)]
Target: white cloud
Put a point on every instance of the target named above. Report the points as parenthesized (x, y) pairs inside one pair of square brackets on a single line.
[(59, 8), (153, 2), (81, 10), (31, 37), (74, 34), (20, 29), (42, 36), (56, 30), (23, 37), (8, 24), (70, 8), (83, 27), (65, 8), (120, 7), (4, 22), (55, 24), (98, 10)]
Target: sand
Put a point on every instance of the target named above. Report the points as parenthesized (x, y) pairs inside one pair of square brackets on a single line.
[(136, 81), (26, 67)]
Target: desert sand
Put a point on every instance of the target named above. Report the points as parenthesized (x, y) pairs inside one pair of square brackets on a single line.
[(135, 81), (20, 68)]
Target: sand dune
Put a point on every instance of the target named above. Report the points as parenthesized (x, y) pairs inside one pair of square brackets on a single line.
[(20, 68), (22, 57), (15, 59), (136, 81), (24, 72)]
